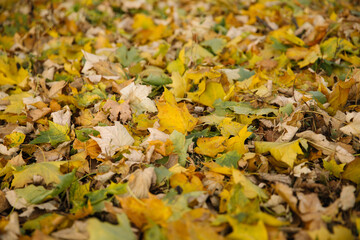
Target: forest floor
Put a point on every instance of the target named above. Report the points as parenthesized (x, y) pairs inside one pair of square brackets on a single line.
[(146, 119)]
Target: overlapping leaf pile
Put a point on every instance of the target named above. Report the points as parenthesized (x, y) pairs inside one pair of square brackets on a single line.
[(179, 119)]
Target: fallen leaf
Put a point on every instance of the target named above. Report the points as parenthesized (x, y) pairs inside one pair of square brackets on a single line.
[(140, 182), (112, 138), (284, 153), (104, 230), (137, 96), (48, 170), (210, 146), (56, 134), (347, 197), (173, 116)]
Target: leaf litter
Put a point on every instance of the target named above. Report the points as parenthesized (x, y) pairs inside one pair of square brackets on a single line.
[(179, 119)]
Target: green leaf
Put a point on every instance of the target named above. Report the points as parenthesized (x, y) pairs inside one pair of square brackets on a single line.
[(333, 46), (245, 74), (229, 159), (50, 171), (288, 109), (154, 232), (180, 146), (84, 134), (318, 96), (103, 230), (77, 193), (125, 57), (162, 174), (98, 197), (56, 134), (246, 109), (31, 193), (278, 45), (216, 44), (37, 194), (157, 80), (238, 200)]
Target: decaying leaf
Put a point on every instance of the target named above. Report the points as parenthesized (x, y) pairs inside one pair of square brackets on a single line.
[(112, 138)]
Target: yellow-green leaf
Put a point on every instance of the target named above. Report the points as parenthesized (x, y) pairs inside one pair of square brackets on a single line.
[(56, 134), (14, 139), (50, 171)]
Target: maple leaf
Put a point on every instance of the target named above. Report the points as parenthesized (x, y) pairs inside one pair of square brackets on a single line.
[(173, 116), (104, 230), (210, 146), (333, 167), (112, 138), (12, 73), (16, 102), (137, 95), (49, 171), (181, 145), (14, 139), (56, 134), (284, 153), (127, 57)]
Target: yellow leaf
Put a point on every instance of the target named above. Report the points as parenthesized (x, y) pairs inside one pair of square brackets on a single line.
[(210, 146), (339, 96), (173, 116), (284, 153), (50, 171), (143, 122), (320, 234), (195, 52), (12, 73), (237, 142), (6, 42), (247, 231), (16, 102), (196, 75), (176, 66), (333, 167), (286, 35), (194, 224), (142, 21), (14, 139), (355, 60), (228, 127), (195, 96), (140, 212), (250, 190), (341, 232), (333, 46), (212, 92), (269, 219), (187, 183), (179, 85), (311, 57), (73, 68), (308, 55), (215, 167)]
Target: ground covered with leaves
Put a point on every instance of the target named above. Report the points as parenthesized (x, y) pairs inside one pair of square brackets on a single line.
[(183, 119)]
